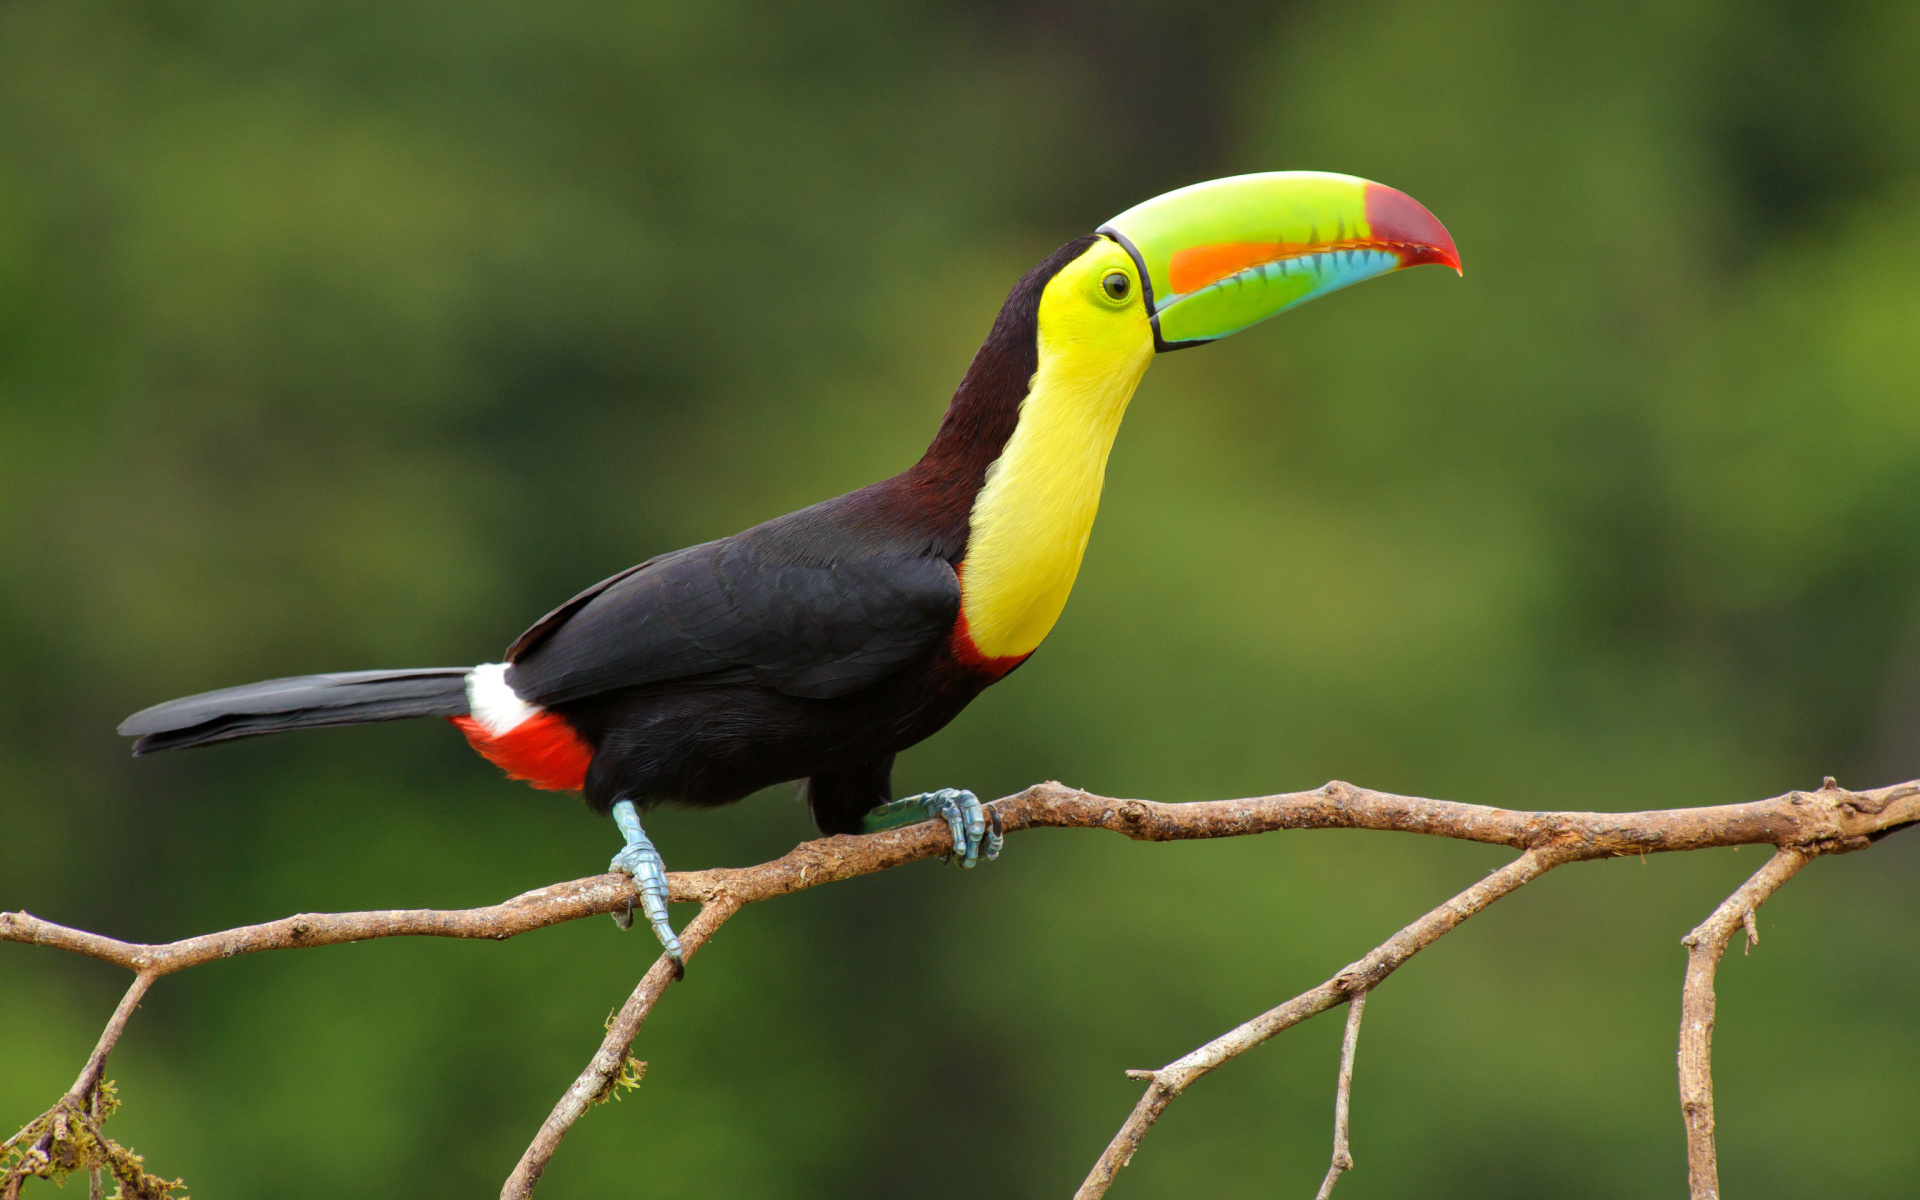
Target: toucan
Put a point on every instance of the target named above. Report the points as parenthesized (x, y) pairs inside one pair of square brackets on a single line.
[(818, 645)]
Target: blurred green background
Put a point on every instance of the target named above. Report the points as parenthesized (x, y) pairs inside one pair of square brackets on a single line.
[(340, 335)]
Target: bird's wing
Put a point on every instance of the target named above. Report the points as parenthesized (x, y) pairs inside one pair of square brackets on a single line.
[(743, 609)]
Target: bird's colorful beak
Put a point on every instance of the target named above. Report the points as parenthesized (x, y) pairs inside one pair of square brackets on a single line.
[(1222, 255)]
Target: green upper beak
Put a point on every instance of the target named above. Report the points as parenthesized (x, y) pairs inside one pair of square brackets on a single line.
[(1219, 256)]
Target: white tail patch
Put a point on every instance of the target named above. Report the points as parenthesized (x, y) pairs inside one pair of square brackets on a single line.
[(496, 706)]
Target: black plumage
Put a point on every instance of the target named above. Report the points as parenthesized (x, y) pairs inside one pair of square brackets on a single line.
[(815, 646), (302, 702)]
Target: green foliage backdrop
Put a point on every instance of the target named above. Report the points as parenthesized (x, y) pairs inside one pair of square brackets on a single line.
[(346, 335)]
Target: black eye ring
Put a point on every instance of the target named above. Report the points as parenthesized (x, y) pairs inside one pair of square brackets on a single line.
[(1116, 285)]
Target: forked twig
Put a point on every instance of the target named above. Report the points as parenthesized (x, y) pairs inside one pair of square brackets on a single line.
[(1342, 1097), (1705, 946), (1358, 978)]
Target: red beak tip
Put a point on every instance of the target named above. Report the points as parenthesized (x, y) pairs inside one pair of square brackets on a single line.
[(1395, 216)]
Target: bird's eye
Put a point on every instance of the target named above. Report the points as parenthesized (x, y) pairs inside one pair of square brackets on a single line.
[(1117, 285)]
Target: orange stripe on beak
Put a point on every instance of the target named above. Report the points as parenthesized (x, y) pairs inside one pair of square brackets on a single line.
[(1195, 267)]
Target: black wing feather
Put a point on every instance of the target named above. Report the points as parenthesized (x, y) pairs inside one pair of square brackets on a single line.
[(766, 607)]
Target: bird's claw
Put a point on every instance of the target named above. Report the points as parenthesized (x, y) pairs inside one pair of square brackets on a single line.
[(975, 828), (639, 859)]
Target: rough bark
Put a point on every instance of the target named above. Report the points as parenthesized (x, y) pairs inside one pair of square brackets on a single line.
[(1802, 825)]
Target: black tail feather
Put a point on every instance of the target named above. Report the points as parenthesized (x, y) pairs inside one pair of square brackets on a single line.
[(303, 702)]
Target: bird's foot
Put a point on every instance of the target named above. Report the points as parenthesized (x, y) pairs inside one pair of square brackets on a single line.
[(975, 827), (640, 860)]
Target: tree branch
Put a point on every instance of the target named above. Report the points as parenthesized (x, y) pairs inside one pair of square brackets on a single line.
[(1705, 945), (1356, 979), (603, 1071), (1826, 820), (1805, 824), (89, 1080), (1342, 1098)]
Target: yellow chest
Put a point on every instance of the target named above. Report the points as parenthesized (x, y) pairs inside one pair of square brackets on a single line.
[(1031, 520)]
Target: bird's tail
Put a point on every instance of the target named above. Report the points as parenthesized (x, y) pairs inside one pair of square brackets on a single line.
[(303, 702)]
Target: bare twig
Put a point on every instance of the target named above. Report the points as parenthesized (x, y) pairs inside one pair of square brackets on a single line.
[(807, 865), (1363, 976), (1342, 1098), (603, 1071), (1829, 820), (89, 1081), (1705, 945), (533, 910)]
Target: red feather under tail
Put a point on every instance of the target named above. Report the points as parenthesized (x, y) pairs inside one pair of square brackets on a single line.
[(543, 750)]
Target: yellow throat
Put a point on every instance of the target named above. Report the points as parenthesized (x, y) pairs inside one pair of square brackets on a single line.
[(1032, 518)]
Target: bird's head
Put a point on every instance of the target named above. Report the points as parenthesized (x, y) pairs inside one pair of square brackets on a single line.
[(1197, 264), (1033, 421)]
